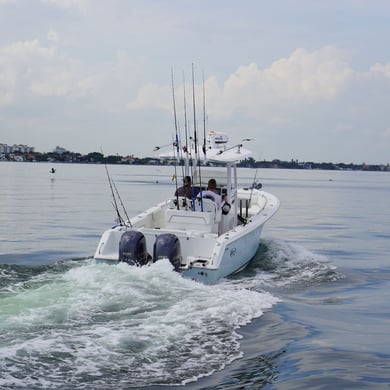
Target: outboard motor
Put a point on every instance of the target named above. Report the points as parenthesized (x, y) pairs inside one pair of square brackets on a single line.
[(132, 248), (167, 245)]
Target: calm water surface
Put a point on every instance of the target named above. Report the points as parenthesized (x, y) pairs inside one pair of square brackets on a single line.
[(310, 312)]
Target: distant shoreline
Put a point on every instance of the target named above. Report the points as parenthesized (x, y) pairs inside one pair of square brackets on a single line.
[(248, 163)]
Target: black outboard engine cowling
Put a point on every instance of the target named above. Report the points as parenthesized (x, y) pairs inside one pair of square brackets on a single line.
[(167, 245), (132, 248)]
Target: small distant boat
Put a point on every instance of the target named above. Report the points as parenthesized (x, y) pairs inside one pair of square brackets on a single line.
[(53, 170), (202, 241)]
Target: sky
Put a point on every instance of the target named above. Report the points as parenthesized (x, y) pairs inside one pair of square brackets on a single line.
[(307, 80)]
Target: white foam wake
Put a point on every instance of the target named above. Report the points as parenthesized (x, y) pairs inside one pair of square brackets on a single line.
[(143, 325)]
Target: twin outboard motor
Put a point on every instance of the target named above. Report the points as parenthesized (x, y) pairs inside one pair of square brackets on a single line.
[(132, 248), (167, 245)]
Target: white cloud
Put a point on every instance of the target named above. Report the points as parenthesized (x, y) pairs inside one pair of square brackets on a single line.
[(383, 69), (28, 67), (304, 77), (61, 82), (68, 4), (31, 72), (6, 98), (152, 95), (17, 66), (53, 37)]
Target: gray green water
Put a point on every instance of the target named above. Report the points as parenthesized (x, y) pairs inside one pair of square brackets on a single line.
[(311, 310)]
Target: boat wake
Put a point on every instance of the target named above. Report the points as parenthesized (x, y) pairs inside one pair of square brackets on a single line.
[(280, 266), (83, 324)]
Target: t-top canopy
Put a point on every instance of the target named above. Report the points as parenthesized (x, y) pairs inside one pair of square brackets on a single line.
[(217, 150)]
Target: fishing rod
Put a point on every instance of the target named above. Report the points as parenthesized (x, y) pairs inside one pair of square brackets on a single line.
[(258, 186), (194, 112), (120, 200), (188, 148), (115, 204), (185, 148), (195, 134), (180, 151), (176, 143), (204, 119), (174, 114)]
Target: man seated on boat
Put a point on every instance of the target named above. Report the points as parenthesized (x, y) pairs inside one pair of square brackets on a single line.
[(187, 190), (211, 193)]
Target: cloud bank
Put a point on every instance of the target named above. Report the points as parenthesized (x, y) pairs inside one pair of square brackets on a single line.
[(106, 86)]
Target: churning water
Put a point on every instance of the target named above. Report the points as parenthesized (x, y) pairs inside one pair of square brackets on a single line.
[(307, 311)]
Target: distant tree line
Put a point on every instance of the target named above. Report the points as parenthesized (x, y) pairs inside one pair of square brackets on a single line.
[(295, 164), (100, 158)]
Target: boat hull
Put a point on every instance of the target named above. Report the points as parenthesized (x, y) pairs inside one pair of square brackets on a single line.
[(232, 257), (207, 257), (235, 257)]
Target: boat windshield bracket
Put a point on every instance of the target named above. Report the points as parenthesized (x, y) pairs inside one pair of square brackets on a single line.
[(238, 146)]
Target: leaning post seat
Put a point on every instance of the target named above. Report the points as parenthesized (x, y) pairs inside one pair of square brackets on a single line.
[(188, 219)]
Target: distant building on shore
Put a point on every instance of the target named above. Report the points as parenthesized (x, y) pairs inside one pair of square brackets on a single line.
[(59, 150), (5, 149)]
